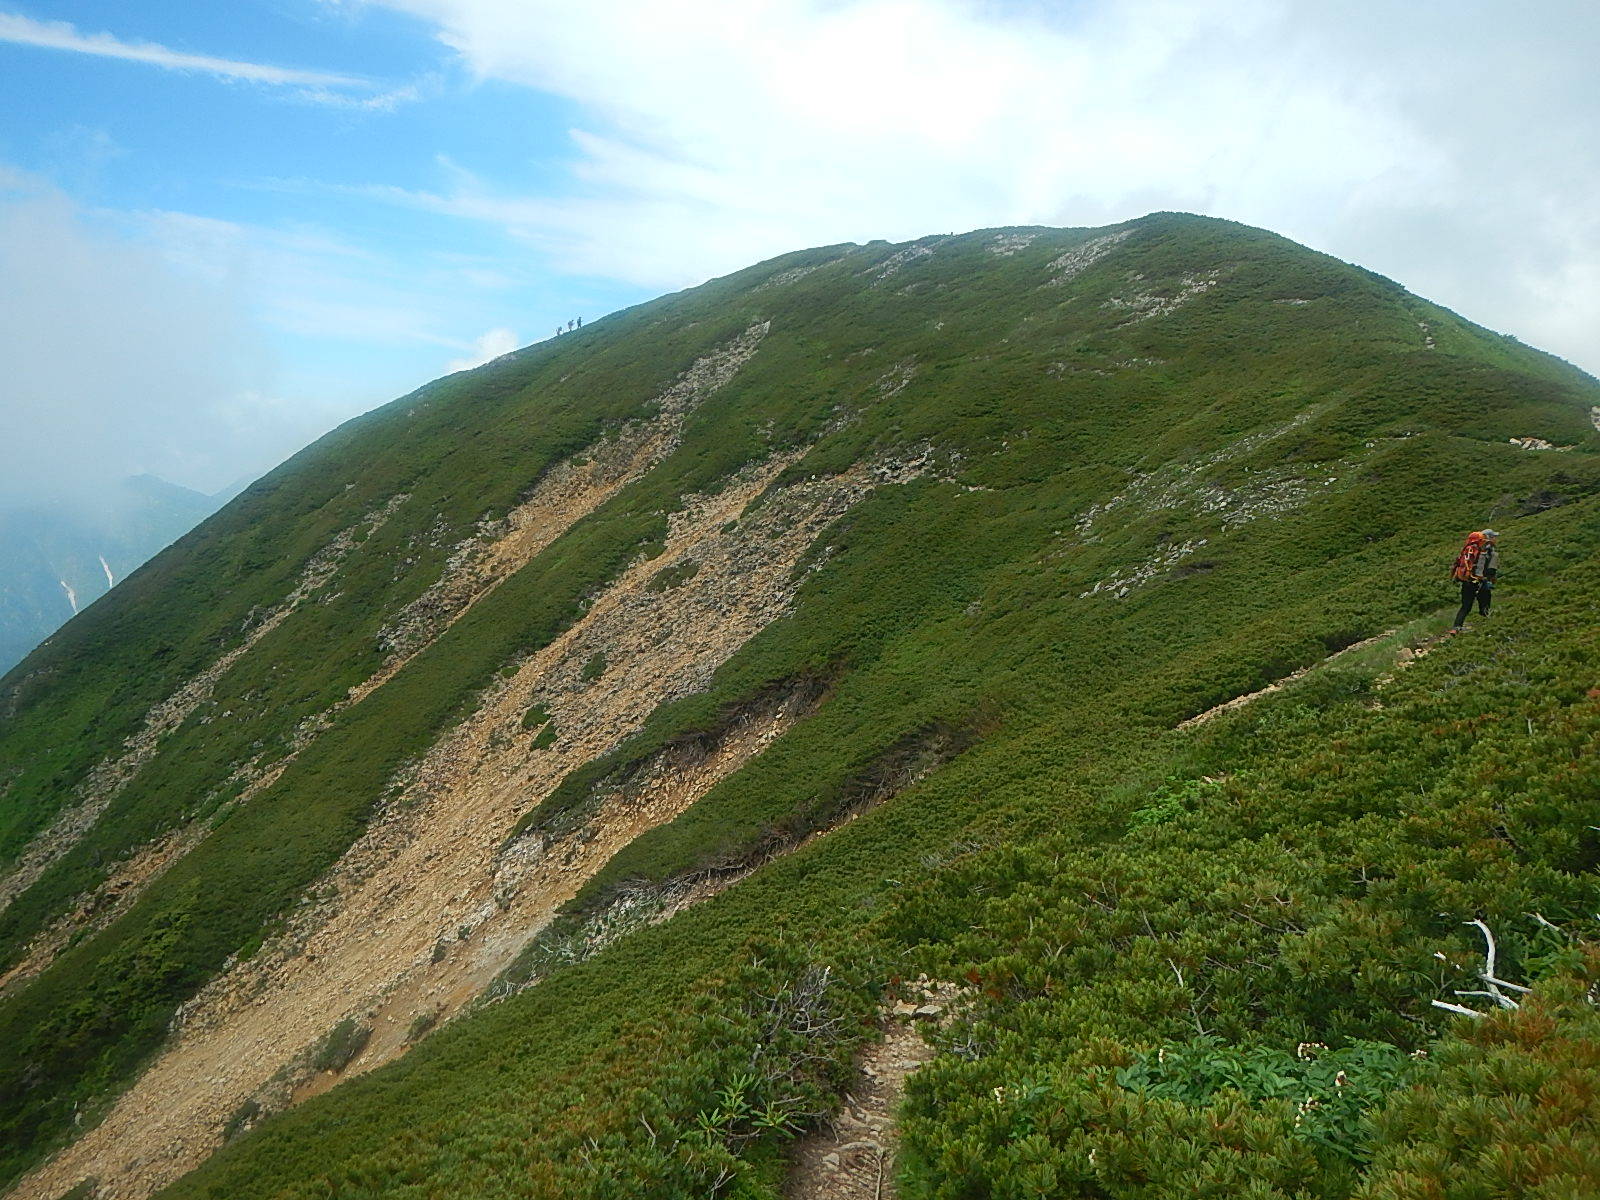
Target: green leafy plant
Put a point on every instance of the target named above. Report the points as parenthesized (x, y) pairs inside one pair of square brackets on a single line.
[(1176, 798), (1333, 1091)]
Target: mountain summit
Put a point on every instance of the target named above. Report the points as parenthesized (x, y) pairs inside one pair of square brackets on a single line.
[(554, 782)]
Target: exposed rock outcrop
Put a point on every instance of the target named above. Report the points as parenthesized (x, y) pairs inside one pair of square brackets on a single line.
[(1067, 267)]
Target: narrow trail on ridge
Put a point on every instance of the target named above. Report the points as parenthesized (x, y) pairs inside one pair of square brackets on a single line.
[(851, 1156), (1277, 685)]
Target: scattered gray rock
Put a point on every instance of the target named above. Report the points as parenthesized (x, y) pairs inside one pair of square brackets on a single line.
[(1075, 262), (1007, 244)]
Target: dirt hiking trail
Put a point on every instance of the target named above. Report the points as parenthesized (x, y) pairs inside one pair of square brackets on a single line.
[(852, 1155)]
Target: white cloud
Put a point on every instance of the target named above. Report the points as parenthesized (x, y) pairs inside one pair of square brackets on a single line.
[(308, 283), (156, 341), (111, 361), (1453, 151), (485, 349), (60, 35)]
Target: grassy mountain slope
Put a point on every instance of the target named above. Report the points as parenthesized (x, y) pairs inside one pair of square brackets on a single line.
[(1162, 465), (1282, 878)]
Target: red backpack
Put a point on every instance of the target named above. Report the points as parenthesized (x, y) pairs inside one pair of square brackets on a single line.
[(1467, 561)]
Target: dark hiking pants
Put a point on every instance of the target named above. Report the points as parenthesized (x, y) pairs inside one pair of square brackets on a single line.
[(1472, 590)]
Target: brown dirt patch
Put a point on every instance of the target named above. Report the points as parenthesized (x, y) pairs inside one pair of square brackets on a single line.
[(429, 873), (564, 495)]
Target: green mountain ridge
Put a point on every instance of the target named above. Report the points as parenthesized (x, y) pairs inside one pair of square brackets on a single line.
[(644, 708)]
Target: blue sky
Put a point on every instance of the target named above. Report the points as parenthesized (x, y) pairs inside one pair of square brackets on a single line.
[(226, 227), (257, 191)]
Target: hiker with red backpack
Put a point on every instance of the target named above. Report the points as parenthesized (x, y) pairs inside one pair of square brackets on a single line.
[(1476, 568)]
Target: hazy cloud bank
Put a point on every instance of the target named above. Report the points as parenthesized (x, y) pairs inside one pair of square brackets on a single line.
[(159, 341), (115, 361), (1450, 146)]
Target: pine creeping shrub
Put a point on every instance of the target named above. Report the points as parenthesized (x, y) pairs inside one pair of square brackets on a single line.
[(1509, 1109), (798, 1025), (536, 716), (1330, 900), (685, 847), (594, 667), (241, 1119), (545, 738), (883, 607), (702, 1104), (340, 1045)]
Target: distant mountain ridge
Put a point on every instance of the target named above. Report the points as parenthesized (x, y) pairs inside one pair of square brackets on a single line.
[(550, 783), (57, 559)]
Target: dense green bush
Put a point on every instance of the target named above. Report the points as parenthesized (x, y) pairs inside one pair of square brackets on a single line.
[(1509, 1109), (340, 1046), (1296, 898), (1157, 1011)]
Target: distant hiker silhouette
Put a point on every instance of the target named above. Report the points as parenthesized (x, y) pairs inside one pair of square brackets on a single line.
[(1476, 569)]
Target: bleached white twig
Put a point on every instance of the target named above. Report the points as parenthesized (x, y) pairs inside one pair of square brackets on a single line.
[(1503, 1001), (1540, 918), (1515, 987), (1457, 1008), (1193, 1011), (1489, 938), (1488, 973), (1493, 982)]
